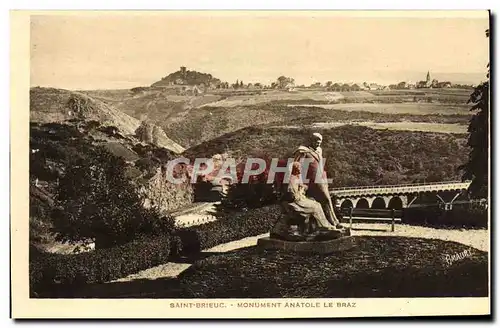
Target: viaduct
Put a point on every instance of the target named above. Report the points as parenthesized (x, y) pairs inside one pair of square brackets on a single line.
[(399, 196)]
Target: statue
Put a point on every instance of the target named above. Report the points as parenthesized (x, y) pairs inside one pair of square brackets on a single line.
[(318, 190), (304, 213)]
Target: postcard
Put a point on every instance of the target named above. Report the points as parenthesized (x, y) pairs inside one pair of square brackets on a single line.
[(250, 164)]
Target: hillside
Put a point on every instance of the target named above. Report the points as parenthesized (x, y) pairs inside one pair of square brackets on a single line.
[(355, 155), (55, 147), (48, 105), (203, 124), (189, 120), (187, 77)]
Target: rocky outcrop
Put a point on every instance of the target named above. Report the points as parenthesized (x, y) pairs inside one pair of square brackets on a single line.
[(151, 133), (164, 195)]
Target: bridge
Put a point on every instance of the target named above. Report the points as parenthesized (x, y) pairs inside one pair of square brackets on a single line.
[(397, 196)]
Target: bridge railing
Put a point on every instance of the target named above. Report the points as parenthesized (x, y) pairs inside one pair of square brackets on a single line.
[(398, 186)]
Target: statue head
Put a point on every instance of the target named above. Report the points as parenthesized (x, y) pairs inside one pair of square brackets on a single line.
[(315, 140)]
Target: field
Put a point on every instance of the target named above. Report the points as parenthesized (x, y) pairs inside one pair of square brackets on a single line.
[(399, 126), (318, 96), (356, 155), (275, 95), (397, 108), (386, 137), (190, 120)]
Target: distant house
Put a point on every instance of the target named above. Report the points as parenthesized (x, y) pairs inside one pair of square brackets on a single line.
[(355, 87), (290, 87), (444, 84), (375, 86), (421, 84), (334, 87), (194, 90)]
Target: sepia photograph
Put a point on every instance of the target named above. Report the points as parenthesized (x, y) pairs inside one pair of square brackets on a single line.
[(227, 163)]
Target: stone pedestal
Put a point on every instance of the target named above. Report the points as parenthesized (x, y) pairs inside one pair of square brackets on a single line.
[(314, 247)]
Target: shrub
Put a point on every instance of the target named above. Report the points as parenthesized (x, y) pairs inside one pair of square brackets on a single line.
[(379, 266), (229, 226), (250, 195), (95, 200), (55, 275), (462, 215)]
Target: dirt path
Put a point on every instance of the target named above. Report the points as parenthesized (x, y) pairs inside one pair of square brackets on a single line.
[(475, 238)]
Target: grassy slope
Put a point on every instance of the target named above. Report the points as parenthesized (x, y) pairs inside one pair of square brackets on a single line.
[(49, 105), (58, 144), (355, 155), (191, 120), (376, 267), (203, 124)]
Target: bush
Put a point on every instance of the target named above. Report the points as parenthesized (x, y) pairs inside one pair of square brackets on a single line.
[(250, 195), (95, 201), (55, 275), (461, 215), (379, 266), (229, 227)]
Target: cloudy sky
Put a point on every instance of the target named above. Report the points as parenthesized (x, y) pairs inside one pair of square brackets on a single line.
[(94, 51)]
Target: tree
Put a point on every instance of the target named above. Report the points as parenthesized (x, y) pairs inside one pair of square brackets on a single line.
[(329, 84), (402, 85), (95, 201), (476, 168), (283, 82), (144, 132)]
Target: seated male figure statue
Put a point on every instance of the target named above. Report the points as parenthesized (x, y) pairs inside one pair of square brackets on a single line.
[(318, 185), (303, 212)]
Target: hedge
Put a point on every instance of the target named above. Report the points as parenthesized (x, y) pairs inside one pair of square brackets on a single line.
[(229, 226), (379, 266), (461, 215), (58, 275)]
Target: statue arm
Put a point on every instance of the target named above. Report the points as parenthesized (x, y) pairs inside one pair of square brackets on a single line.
[(298, 155)]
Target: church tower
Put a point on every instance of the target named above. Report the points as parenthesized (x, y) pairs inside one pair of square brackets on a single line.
[(428, 80)]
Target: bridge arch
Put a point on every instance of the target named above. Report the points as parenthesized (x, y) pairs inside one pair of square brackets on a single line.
[(346, 203), (379, 203), (395, 203), (362, 203)]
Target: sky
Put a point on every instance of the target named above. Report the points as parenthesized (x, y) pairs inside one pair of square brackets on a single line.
[(113, 51)]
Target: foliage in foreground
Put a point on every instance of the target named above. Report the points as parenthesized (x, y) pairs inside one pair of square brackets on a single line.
[(473, 215), (355, 155), (377, 267), (96, 201), (55, 275), (229, 226), (476, 168)]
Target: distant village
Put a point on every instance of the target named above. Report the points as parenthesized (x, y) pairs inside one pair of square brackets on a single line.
[(186, 82)]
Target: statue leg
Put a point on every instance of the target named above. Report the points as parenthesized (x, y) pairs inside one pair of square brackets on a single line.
[(320, 217), (330, 213), (321, 195)]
